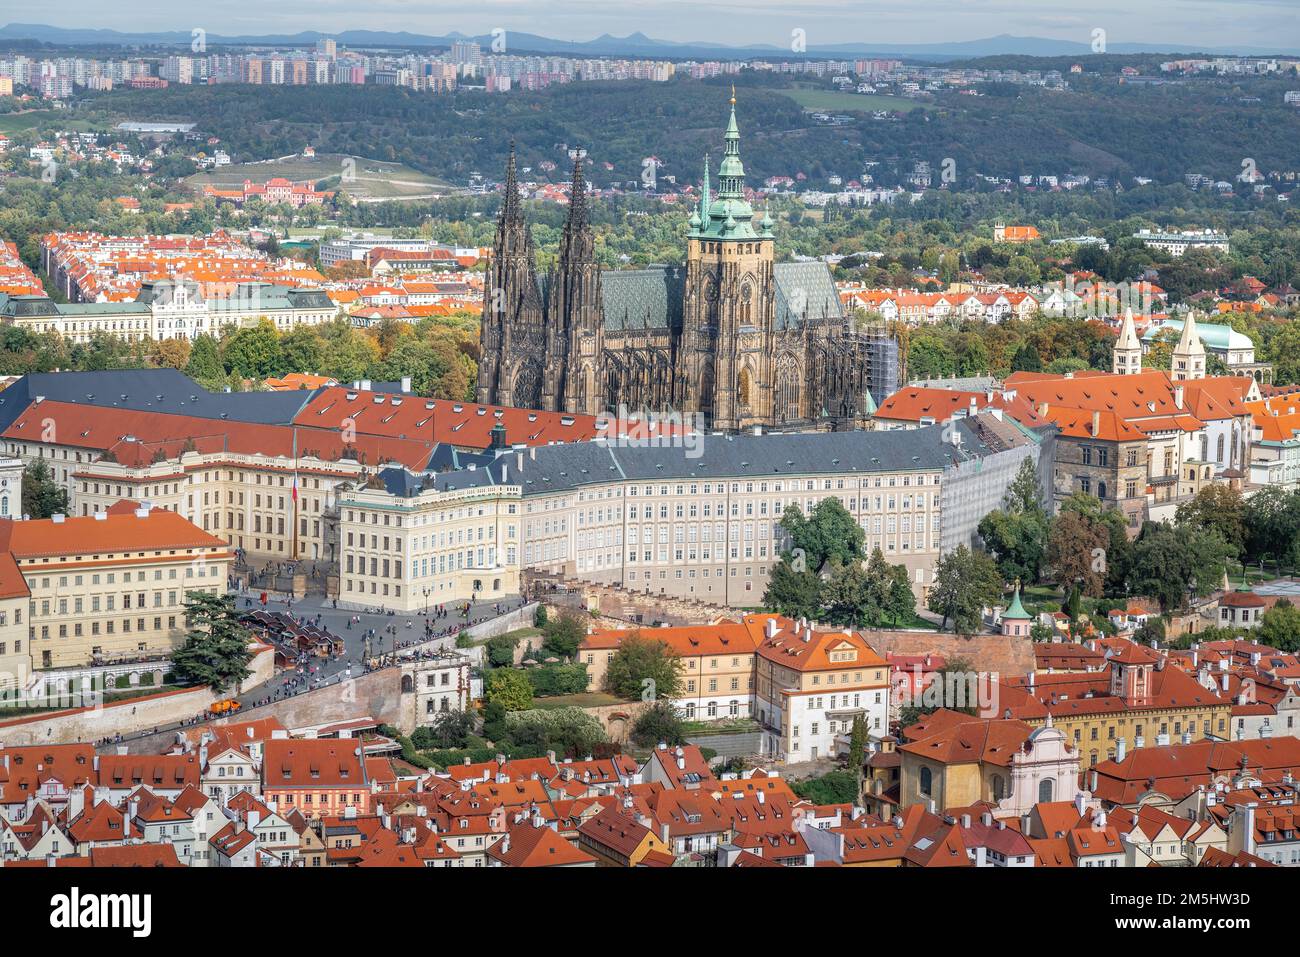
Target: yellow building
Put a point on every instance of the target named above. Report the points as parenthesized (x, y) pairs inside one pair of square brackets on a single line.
[(409, 542), (804, 686), (110, 586), (1135, 701)]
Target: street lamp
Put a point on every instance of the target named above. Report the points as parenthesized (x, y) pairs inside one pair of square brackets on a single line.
[(426, 590)]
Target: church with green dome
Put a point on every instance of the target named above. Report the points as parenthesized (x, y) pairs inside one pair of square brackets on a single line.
[(730, 336)]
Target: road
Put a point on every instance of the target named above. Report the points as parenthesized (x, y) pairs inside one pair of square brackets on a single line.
[(387, 634), (389, 630)]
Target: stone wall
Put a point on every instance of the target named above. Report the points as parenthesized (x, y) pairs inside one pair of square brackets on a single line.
[(377, 694), (522, 617), (628, 607), (128, 717), (617, 719), (95, 722), (739, 745), (987, 653)]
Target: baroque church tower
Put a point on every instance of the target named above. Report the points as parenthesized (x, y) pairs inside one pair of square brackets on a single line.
[(724, 364), (514, 336)]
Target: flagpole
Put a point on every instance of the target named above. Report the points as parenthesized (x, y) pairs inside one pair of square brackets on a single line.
[(294, 493)]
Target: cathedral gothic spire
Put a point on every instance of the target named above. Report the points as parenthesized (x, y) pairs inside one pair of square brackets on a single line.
[(511, 208), (578, 191)]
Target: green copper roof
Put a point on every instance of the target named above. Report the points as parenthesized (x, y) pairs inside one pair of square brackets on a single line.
[(1214, 337), (1016, 610), (726, 215)]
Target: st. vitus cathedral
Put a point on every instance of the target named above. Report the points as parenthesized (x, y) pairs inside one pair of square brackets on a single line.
[(732, 336)]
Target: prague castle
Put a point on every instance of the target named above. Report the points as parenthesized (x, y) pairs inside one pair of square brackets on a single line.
[(732, 337)]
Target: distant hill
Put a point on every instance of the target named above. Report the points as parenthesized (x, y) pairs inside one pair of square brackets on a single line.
[(636, 44)]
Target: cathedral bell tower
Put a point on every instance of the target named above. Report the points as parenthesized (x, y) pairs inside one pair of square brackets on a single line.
[(513, 340), (724, 362), (575, 338)]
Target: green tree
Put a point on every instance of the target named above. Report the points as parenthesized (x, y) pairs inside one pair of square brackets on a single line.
[(1026, 359), (834, 787), (829, 532), (954, 675), (205, 364), (1170, 564), (858, 748), (501, 650), (1150, 631), (216, 649), (254, 352), (795, 594), (1219, 508), (847, 595), (900, 601), (494, 721), (301, 350), (1016, 534), (510, 688), (563, 634), (965, 583), (659, 722), (1272, 520), (643, 666), (448, 729), (566, 731), (1076, 552), (42, 496), (1280, 627)]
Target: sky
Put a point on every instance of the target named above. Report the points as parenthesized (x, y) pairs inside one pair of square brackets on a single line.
[(1207, 23)]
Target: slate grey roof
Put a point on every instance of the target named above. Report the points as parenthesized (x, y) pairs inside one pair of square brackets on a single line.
[(565, 467), (404, 484), (804, 289), (643, 298), (26, 307), (157, 390)]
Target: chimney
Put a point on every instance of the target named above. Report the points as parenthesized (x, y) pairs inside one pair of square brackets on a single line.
[(965, 820), (1096, 424), (769, 628), (1178, 396)]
